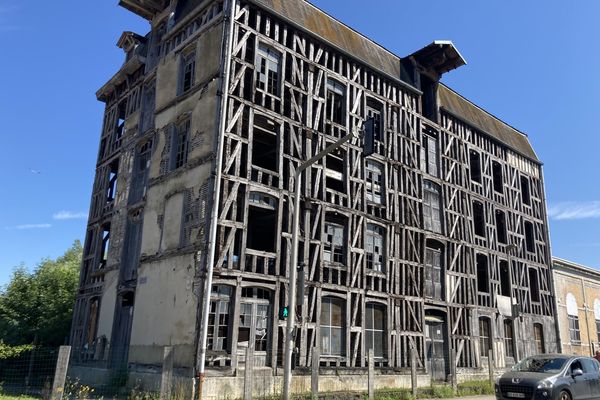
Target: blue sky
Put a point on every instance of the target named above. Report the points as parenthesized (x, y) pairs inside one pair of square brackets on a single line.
[(533, 64)]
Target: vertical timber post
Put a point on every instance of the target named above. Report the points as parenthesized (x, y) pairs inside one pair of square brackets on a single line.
[(314, 379), (166, 380), (60, 374), (491, 365), (413, 371), (371, 384), (454, 371), (248, 374)]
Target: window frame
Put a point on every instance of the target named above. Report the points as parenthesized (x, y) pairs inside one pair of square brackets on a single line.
[(187, 72), (372, 232), (374, 189), (509, 338), (430, 158), (336, 102), (180, 143), (268, 80), (374, 331), (432, 197), (483, 339), (574, 329), (326, 329)]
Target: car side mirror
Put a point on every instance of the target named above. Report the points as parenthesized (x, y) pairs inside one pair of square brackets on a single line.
[(576, 372)]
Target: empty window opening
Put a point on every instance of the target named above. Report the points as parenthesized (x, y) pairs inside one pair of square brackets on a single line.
[(375, 111), (187, 72), (334, 172), (219, 318), (336, 93), (525, 193), (538, 335), (509, 340), (179, 148), (262, 222), (121, 115), (429, 98), (429, 156), (264, 143), (475, 166), (485, 336), (333, 315), (375, 329), (334, 243), (483, 276), (534, 285), (254, 319), (374, 248), (104, 246), (267, 65), (432, 209), (497, 177), (140, 173), (529, 238), (113, 176), (505, 287), (478, 219), (501, 226), (127, 299), (434, 273), (374, 182)]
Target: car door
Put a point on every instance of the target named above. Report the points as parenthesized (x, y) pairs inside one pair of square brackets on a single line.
[(592, 376), (579, 386)]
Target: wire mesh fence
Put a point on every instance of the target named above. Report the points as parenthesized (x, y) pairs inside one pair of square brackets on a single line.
[(31, 373)]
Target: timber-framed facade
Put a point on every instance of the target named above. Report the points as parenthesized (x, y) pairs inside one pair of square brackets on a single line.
[(425, 244)]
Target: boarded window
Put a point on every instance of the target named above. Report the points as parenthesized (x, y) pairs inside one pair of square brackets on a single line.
[(375, 329), (336, 93), (429, 156), (333, 338), (374, 248), (501, 226), (187, 72), (525, 193), (475, 166), (374, 182), (497, 177), (538, 335), (485, 336), (432, 210), (267, 64), (478, 219), (483, 277), (529, 238), (509, 340)]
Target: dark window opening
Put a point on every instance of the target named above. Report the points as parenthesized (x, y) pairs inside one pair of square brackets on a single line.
[(187, 73), (375, 329), (475, 166), (264, 143), (478, 219), (534, 285), (432, 208), (374, 182), (538, 335), (505, 287), (127, 299), (262, 222), (525, 193), (429, 156), (104, 246), (529, 238), (429, 98), (113, 176), (267, 66), (501, 226), (334, 250), (179, 149), (374, 248), (184, 7), (375, 111), (333, 315), (497, 177), (336, 102), (334, 172), (121, 115), (485, 336), (509, 340), (483, 276)]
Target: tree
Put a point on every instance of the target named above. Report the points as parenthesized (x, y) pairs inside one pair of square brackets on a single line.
[(38, 306)]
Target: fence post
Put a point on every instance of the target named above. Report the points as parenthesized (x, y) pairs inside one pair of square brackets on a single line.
[(491, 365), (314, 378), (454, 372), (60, 374), (371, 383), (248, 375), (413, 371), (166, 381)]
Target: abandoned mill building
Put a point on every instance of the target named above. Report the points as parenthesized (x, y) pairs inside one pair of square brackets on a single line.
[(438, 241)]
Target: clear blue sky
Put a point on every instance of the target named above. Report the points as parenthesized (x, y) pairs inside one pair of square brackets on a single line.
[(534, 64)]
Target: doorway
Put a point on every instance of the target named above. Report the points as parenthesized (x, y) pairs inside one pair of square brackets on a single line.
[(254, 324), (436, 345)]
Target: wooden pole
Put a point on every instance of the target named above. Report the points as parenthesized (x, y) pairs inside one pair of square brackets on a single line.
[(166, 381), (491, 365), (314, 379), (371, 383), (248, 375), (413, 371), (60, 374), (454, 372)]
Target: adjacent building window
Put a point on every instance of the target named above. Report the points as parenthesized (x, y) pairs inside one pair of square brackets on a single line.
[(529, 238), (534, 285), (538, 335), (509, 340), (268, 68), (374, 182), (429, 156), (598, 330), (336, 93), (333, 248), (478, 218), (525, 193), (483, 276), (180, 144), (501, 227), (375, 329), (432, 210), (374, 248), (574, 333), (497, 177), (187, 72), (485, 336), (475, 166), (333, 341), (219, 318)]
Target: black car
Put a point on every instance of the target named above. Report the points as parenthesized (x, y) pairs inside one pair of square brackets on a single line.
[(551, 377)]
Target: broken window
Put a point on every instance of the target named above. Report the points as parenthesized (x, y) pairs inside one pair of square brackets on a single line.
[(219, 318), (501, 226), (267, 64), (429, 156), (262, 222), (375, 329), (333, 246), (254, 320), (478, 218), (148, 105), (374, 182), (180, 144), (139, 178), (525, 193), (336, 102), (534, 285), (334, 172), (483, 276), (509, 339), (475, 166), (187, 72), (433, 271), (374, 248), (485, 336), (505, 288), (574, 333), (104, 246), (375, 111), (113, 175), (529, 238), (432, 209), (264, 143), (497, 177), (120, 125), (333, 338), (538, 335)]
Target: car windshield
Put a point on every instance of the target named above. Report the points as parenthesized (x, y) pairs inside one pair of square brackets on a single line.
[(545, 365)]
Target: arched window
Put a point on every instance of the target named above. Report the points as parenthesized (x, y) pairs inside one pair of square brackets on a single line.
[(573, 316), (375, 329), (432, 207), (333, 315)]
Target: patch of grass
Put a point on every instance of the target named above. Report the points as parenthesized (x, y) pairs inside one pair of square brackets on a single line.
[(473, 388), (8, 397), (393, 394)]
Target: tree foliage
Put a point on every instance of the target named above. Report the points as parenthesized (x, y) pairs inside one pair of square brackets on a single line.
[(38, 306)]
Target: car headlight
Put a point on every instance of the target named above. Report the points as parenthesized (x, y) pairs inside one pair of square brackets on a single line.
[(545, 385)]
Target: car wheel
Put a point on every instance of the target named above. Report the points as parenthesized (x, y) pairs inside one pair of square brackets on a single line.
[(564, 395)]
